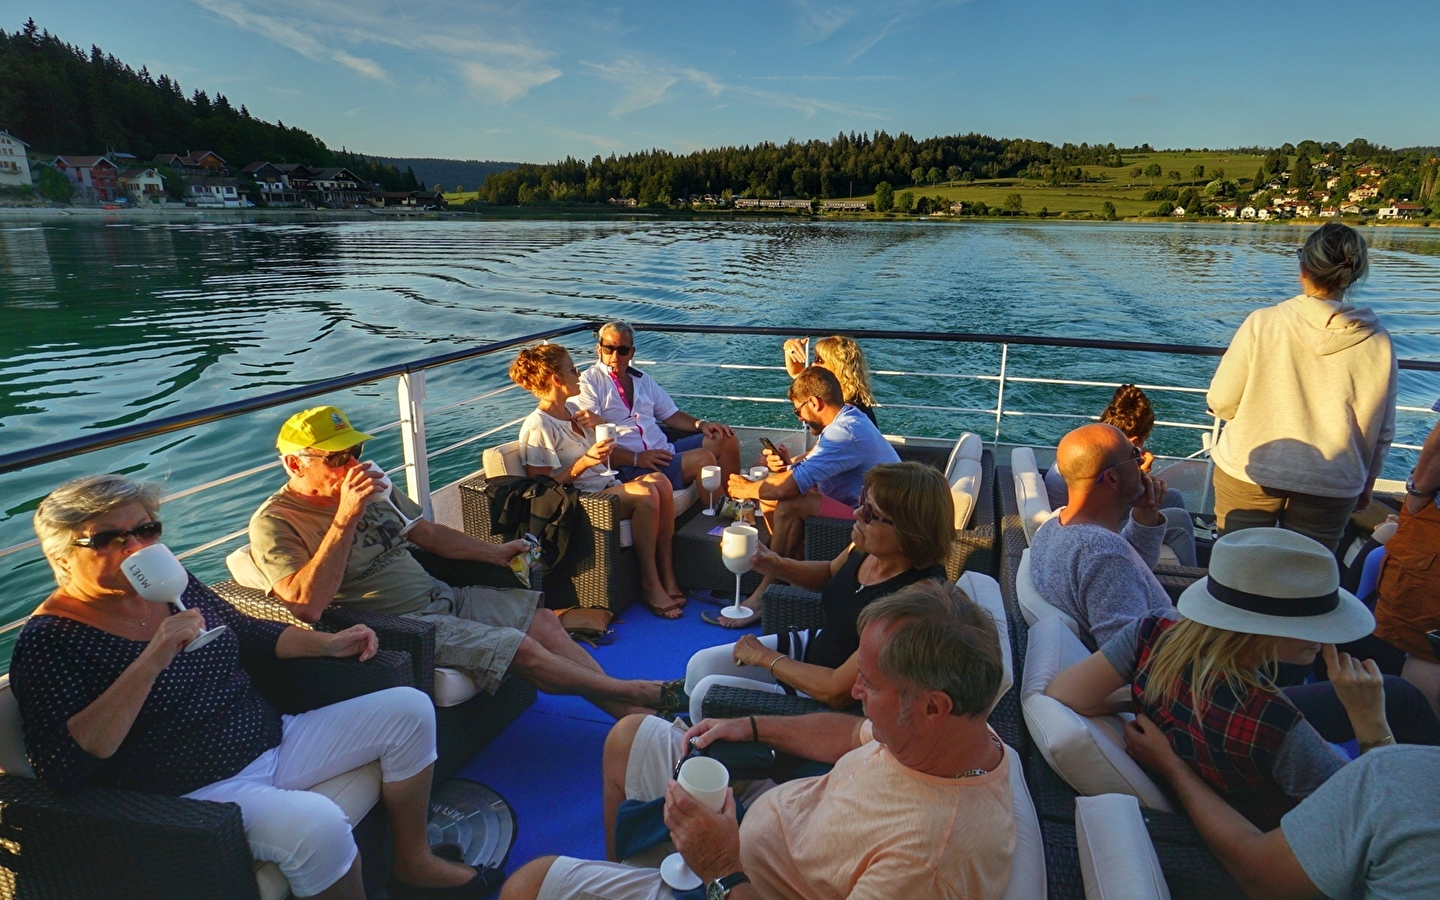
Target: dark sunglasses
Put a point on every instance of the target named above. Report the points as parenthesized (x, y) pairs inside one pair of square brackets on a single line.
[(803, 404), (100, 541), (867, 514), (1137, 456), (337, 458), (622, 350)]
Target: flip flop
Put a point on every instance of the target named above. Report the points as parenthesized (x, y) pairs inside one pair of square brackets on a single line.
[(664, 612), (705, 595), (673, 697), (715, 618)]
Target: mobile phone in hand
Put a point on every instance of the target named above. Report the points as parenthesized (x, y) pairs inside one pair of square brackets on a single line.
[(769, 445)]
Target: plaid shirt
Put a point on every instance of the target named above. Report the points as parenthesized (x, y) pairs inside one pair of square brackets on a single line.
[(1234, 745)]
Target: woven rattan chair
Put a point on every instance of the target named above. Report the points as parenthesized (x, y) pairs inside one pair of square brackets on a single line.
[(973, 549), (112, 844)]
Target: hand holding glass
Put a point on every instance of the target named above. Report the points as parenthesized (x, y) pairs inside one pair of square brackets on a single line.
[(705, 779), (737, 545), (605, 432), (159, 577), (710, 481), (387, 488)]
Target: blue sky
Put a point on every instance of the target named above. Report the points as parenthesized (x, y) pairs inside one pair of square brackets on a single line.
[(477, 79)]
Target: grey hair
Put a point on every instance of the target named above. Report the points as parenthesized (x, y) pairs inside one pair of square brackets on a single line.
[(619, 327), (79, 500), (941, 640), (1335, 257)]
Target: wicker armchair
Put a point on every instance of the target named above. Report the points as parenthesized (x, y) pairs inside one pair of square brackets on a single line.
[(972, 550), (462, 729), (128, 845)]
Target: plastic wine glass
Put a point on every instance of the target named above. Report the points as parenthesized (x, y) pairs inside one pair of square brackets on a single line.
[(705, 779), (388, 491), (159, 577), (737, 545), (605, 432), (710, 481)]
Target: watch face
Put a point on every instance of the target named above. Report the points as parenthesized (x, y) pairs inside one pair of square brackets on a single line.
[(715, 891)]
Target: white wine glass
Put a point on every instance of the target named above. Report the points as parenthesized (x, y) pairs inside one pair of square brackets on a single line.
[(159, 577), (737, 545), (388, 490), (605, 432), (710, 481), (705, 779)]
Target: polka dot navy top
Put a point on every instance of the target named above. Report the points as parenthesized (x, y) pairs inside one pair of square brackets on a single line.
[(202, 722)]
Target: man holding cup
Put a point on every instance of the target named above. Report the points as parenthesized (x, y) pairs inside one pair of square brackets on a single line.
[(322, 538), (918, 804), (620, 393)]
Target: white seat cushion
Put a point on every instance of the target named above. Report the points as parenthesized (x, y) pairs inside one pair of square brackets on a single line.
[(1167, 557), (1117, 860), (965, 477), (243, 569), (453, 687), (969, 446), (985, 591), (1027, 867), (1031, 497), (1088, 752), (1033, 606), (13, 760)]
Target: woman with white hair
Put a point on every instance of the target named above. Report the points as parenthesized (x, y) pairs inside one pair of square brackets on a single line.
[(1308, 391), (108, 699)]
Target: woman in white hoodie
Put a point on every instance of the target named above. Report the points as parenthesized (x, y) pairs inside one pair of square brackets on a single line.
[(1308, 389)]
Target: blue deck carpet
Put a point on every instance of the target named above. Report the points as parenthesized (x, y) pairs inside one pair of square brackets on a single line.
[(547, 763)]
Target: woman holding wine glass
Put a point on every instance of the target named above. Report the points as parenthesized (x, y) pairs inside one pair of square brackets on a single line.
[(109, 698), (557, 442), (904, 525)]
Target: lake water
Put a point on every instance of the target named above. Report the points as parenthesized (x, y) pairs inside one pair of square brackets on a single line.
[(108, 324)]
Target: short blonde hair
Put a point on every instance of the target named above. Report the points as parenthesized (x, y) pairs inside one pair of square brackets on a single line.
[(79, 500), (534, 366), (918, 498), (843, 356)]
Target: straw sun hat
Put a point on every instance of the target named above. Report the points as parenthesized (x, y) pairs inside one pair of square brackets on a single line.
[(1276, 582)]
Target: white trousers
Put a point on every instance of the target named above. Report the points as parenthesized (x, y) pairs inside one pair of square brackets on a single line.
[(304, 833), (716, 666)]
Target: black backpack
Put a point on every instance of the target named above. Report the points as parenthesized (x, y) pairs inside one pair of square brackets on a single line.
[(539, 505)]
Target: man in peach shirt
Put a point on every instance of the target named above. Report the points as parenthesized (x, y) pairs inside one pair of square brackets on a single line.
[(918, 804)]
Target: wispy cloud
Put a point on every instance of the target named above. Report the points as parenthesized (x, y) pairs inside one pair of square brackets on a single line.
[(290, 35), (502, 84), (892, 17), (818, 22)]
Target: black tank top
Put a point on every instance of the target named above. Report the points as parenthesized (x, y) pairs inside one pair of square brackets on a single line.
[(843, 598)]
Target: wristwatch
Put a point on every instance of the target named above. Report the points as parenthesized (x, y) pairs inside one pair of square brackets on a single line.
[(720, 888), (1411, 489)]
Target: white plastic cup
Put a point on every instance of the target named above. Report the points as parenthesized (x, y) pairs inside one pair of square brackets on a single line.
[(605, 431), (705, 779), (759, 473), (710, 478), (156, 574), (737, 545)]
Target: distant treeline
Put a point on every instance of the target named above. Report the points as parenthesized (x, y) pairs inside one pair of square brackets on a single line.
[(449, 174), (849, 164), (62, 100)]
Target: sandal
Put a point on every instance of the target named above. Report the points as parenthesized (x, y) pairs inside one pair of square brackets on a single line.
[(673, 697), (673, 611), (714, 617)]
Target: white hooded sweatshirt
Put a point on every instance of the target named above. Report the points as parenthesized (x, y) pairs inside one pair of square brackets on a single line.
[(1308, 389)]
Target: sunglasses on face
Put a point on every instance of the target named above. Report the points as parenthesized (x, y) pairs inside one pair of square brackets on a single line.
[(100, 541), (800, 406), (867, 514), (337, 458), (1136, 456), (621, 350)]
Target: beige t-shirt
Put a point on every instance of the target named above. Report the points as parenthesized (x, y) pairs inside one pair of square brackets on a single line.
[(873, 829), (381, 575)]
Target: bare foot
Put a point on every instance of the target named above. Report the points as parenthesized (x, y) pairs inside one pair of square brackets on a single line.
[(430, 871)]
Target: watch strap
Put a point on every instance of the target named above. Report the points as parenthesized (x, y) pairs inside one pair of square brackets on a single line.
[(729, 882)]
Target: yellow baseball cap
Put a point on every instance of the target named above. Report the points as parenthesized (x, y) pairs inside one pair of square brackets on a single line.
[(323, 428)]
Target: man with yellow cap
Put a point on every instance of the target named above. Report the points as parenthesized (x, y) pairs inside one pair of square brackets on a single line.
[(324, 538)]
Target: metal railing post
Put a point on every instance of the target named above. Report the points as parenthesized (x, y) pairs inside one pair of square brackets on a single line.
[(1000, 395), (1211, 438), (411, 388)]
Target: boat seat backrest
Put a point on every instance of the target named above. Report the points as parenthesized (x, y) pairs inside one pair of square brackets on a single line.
[(1031, 497), (1088, 752), (963, 472), (1033, 605), (985, 591), (13, 760), (243, 569), (503, 460), (1117, 859), (1027, 866)]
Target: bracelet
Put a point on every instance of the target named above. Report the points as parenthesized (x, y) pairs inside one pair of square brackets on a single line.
[(754, 731), (774, 661), (698, 423), (1367, 746)]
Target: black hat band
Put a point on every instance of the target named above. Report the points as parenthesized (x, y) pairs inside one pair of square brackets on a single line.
[(1287, 607)]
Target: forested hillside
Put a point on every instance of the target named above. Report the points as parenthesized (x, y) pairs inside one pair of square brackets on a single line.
[(449, 174), (62, 99)]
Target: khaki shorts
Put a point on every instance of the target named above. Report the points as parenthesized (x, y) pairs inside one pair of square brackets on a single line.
[(583, 879), (479, 629)]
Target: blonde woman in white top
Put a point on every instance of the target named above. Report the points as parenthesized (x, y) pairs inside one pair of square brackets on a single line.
[(561, 444)]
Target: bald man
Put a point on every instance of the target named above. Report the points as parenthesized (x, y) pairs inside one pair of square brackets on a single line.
[(1088, 560)]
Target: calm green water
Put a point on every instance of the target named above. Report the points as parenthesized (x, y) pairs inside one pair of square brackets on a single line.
[(108, 324)]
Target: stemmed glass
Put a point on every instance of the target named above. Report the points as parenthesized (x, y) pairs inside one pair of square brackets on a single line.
[(605, 432), (737, 545), (705, 779), (159, 577), (389, 493), (710, 481)]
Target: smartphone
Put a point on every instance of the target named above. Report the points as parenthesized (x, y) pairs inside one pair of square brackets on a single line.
[(769, 445)]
